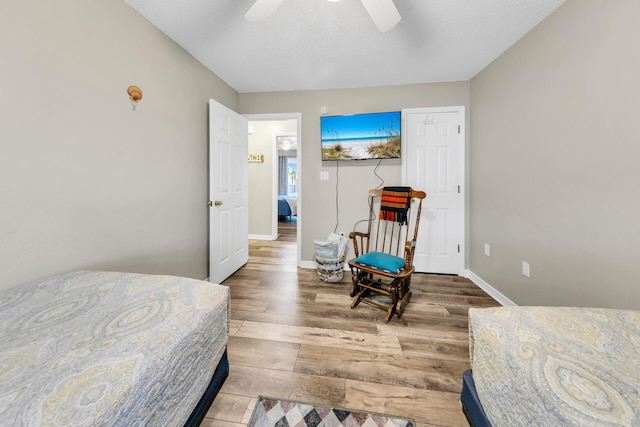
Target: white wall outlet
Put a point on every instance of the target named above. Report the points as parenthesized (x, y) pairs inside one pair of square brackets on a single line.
[(525, 269), (487, 249), (324, 176)]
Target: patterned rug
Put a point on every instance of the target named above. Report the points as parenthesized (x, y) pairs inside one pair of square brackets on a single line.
[(276, 412)]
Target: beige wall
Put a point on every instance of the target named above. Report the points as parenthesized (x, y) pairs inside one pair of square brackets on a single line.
[(261, 191), (554, 160), (86, 182), (318, 204)]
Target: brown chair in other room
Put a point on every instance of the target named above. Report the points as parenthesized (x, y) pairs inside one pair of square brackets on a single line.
[(383, 264)]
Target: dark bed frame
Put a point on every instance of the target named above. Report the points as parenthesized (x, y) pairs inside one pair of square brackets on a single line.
[(471, 405), (219, 376)]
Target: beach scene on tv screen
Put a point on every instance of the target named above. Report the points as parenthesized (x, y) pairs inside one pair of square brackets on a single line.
[(361, 136)]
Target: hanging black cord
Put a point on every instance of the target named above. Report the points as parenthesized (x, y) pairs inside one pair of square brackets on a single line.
[(337, 209), (375, 172), (364, 220)]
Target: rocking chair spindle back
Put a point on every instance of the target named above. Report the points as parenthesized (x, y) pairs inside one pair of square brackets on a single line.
[(385, 264)]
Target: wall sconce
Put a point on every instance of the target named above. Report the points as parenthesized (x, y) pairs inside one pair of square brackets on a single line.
[(135, 95), (286, 144)]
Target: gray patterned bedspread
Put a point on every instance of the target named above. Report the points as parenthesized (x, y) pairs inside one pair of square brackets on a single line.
[(112, 349), (555, 366)]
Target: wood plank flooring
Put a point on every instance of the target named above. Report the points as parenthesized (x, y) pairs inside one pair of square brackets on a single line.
[(294, 336)]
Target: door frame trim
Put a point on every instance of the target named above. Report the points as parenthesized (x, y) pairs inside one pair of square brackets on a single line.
[(462, 168), (274, 207)]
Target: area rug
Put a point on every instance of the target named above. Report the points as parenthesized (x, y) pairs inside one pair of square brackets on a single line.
[(277, 412)]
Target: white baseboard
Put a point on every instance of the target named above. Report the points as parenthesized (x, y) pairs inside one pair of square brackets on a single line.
[(261, 237), (493, 292), (308, 264)]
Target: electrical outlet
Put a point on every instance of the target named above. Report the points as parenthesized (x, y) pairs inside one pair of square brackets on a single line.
[(525, 269), (487, 249), (324, 176)]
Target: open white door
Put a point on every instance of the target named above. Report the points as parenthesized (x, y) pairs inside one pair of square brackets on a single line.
[(433, 161), (228, 192)]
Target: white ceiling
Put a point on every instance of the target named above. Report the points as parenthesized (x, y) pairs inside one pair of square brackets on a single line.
[(317, 44)]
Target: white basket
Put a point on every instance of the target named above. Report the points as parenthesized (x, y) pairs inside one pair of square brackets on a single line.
[(330, 269)]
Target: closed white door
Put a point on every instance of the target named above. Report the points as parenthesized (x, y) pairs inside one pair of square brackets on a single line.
[(228, 192), (433, 161)]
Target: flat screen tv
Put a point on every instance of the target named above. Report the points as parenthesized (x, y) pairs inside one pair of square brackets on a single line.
[(361, 136)]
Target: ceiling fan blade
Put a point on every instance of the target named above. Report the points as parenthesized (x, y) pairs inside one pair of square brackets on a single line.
[(262, 9), (383, 12)]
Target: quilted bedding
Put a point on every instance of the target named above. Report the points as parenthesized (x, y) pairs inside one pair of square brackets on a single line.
[(552, 366), (101, 348)]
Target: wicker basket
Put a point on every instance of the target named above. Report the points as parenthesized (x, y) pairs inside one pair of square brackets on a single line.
[(330, 269)]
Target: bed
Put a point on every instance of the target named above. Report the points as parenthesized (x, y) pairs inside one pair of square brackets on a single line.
[(287, 207), (103, 348), (553, 366)]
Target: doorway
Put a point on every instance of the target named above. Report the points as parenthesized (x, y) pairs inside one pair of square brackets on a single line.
[(275, 169)]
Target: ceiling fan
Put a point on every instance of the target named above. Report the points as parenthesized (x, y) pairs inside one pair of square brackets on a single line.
[(383, 12)]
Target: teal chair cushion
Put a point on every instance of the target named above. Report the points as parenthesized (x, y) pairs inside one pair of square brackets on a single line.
[(381, 261)]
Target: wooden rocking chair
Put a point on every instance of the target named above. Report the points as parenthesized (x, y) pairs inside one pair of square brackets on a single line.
[(383, 264)]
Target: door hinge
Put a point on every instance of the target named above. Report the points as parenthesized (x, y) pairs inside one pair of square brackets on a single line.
[(458, 128), (458, 248), (458, 189)]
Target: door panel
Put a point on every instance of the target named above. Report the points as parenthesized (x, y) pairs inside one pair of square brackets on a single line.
[(228, 188), (433, 162)]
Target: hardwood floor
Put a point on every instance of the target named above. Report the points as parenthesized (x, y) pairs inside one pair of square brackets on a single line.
[(294, 336)]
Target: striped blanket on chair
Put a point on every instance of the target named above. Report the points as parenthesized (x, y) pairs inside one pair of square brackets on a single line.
[(395, 204)]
